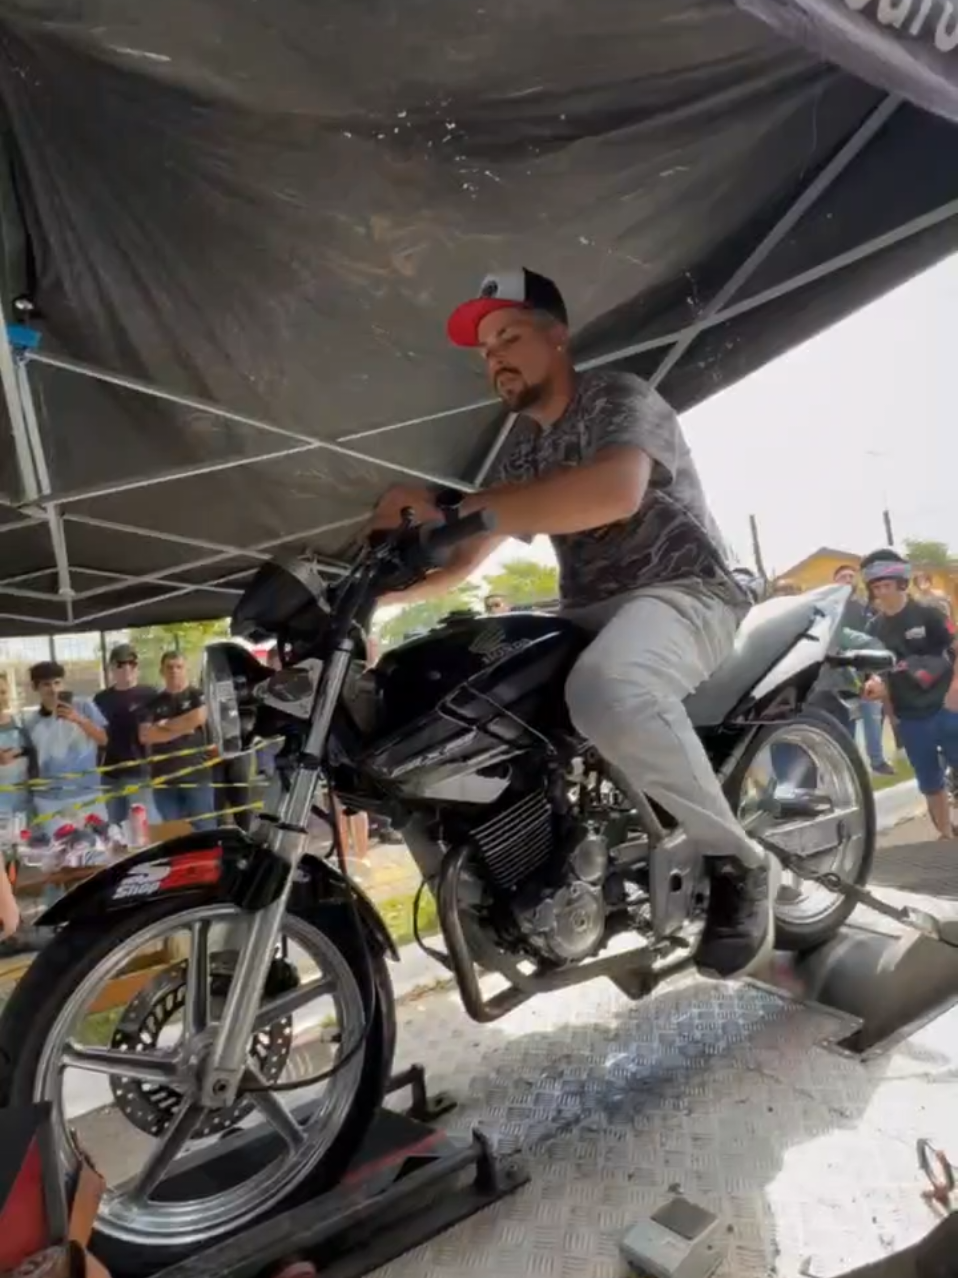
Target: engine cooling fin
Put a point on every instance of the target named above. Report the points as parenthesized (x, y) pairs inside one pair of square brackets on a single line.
[(517, 840)]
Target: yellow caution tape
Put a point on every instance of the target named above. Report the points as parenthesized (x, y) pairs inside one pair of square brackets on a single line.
[(142, 784), (41, 782), (52, 782)]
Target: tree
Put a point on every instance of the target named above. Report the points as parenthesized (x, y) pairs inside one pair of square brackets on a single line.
[(426, 614), (524, 581), (188, 638), (929, 554)]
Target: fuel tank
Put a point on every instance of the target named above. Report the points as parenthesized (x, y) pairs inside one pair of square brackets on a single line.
[(468, 695)]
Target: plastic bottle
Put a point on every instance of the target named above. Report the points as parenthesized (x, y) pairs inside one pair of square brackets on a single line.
[(35, 848), (139, 826)]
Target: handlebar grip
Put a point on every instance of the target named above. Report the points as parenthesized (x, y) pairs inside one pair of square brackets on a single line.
[(436, 541), (426, 547)]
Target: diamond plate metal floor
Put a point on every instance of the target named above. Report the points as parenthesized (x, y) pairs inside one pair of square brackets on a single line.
[(722, 1092)]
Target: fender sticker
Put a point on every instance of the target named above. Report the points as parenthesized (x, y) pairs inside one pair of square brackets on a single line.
[(189, 870)]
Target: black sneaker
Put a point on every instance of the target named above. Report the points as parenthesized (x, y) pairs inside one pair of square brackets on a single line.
[(883, 770), (740, 931)]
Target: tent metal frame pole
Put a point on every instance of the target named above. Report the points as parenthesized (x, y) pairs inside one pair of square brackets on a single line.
[(497, 443), (843, 260), (32, 462), (16, 524), (11, 394), (19, 592), (795, 282), (206, 561), (176, 539), (119, 579), (91, 491), (40, 504), (146, 603), (44, 623), (170, 594), (54, 517), (27, 576), (198, 405), (873, 123)]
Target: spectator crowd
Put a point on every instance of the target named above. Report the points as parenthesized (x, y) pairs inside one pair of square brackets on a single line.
[(131, 743)]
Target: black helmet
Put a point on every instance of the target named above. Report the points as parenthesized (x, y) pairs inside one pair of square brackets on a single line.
[(886, 565)]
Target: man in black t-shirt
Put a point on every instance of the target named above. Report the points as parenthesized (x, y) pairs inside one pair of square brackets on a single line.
[(922, 689), (173, 722), (121, 706)]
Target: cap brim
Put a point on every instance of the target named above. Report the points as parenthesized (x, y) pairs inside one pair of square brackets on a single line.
[(463, 324)]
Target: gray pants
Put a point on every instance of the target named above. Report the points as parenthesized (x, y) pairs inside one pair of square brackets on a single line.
[(625, 694)]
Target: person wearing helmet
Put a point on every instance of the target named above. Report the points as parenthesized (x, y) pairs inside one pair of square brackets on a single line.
[(921, 691), (597, 461)]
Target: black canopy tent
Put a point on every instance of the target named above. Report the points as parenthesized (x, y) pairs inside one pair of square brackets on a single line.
[(241, 227)]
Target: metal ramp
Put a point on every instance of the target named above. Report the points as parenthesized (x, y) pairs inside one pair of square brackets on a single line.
[(732, 1095), (887, 981), (789, 1108)]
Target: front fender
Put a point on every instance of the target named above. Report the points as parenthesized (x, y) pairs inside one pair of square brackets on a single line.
[(222, 865)]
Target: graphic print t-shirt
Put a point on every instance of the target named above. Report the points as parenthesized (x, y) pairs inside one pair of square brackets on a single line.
[(123, 708), (61, 746), (672, 537), (170, 705), (921, 638)]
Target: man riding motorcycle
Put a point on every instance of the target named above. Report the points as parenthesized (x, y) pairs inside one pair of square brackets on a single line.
[(597, 461)]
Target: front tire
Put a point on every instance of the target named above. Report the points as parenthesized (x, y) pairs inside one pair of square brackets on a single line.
[(42, 999), (811, 919)]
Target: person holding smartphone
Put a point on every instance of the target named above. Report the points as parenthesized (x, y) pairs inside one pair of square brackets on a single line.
[(65, 734), (14, 762)]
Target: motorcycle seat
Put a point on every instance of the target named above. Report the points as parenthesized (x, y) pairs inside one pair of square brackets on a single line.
[(766, 634)]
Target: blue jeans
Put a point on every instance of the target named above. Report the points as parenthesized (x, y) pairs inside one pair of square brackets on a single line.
[(872, 716), (186, 803), (931, 744), (793, 767)]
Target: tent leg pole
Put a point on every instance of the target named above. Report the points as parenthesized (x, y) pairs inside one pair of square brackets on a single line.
[(32, 462), (11, 394), (493, 452), (52, 511)]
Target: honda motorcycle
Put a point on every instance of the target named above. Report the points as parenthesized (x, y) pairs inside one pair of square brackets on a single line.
[(546, 870)]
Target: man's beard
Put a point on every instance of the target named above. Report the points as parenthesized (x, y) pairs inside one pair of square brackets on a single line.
[(519, 397)]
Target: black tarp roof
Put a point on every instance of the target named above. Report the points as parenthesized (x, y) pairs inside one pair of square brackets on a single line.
[(271, 207)]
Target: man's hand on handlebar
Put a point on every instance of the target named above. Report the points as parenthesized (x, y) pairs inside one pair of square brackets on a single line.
[(389, 508)]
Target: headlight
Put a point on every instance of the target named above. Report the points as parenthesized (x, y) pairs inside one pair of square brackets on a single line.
[(230, 675)]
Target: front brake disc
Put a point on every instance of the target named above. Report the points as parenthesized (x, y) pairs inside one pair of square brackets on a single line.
[(151, 1107)]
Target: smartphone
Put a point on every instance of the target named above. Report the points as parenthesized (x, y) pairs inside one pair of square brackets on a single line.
[(65, 698)]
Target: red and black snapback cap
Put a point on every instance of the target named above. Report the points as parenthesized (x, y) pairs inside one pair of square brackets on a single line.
[(519, 288)]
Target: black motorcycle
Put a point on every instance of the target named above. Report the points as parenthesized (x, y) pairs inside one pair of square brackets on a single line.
[(546, 872)]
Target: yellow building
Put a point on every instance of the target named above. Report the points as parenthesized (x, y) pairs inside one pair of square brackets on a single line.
[(819, 568)]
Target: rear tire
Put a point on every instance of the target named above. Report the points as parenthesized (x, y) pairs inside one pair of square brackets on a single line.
[(790, 933), (31, 1015)]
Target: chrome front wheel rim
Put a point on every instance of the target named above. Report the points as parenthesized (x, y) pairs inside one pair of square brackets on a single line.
[(133, 1211)]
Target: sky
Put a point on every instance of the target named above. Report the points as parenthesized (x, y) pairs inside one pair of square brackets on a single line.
[(815, 443)]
